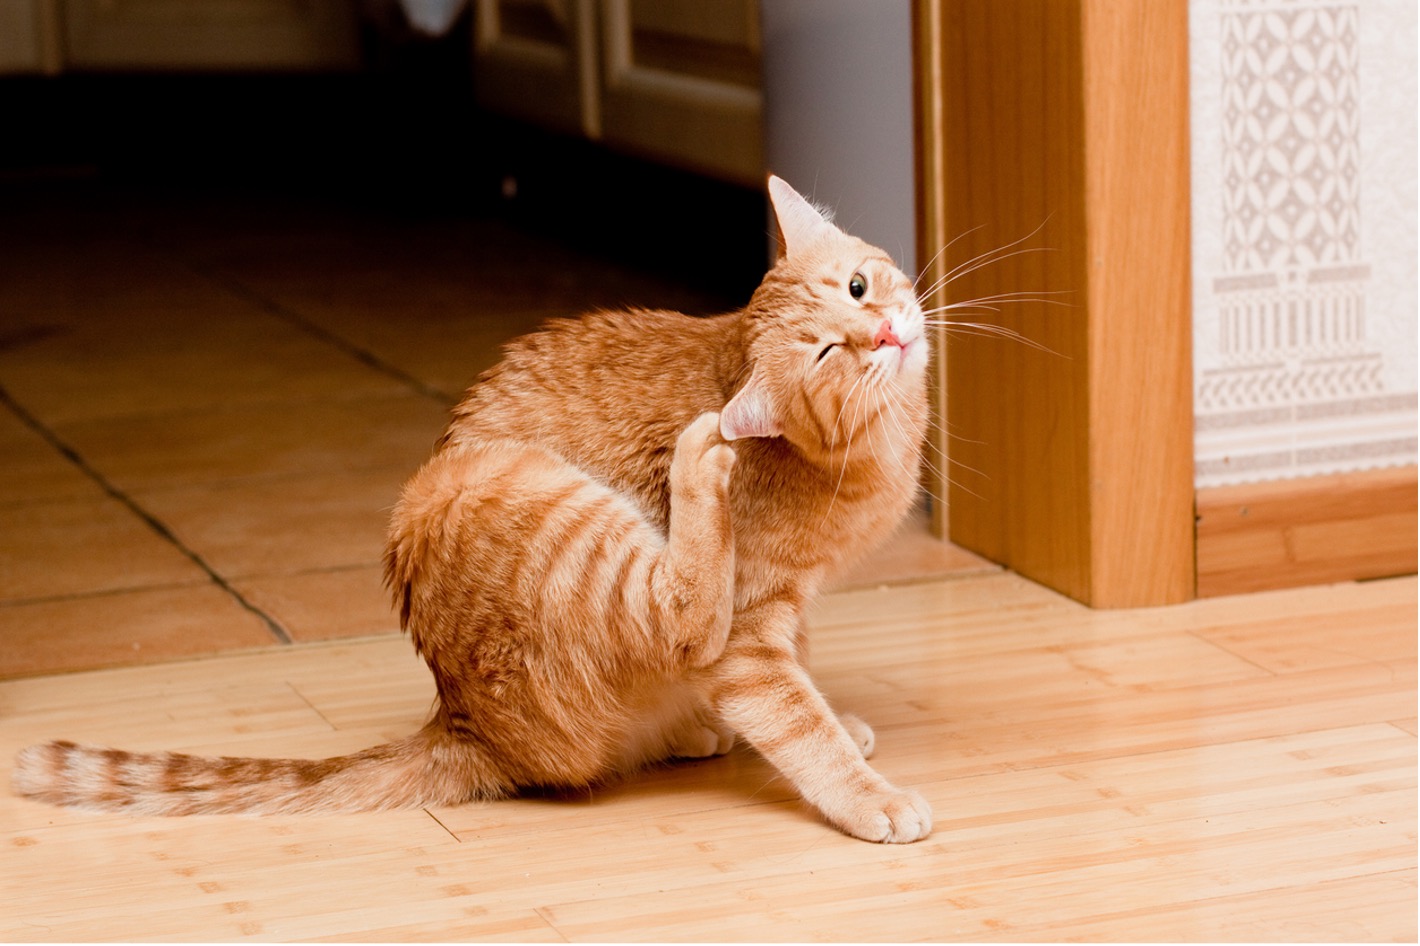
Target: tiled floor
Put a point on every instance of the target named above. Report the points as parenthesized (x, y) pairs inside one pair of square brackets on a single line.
[(207, 408)]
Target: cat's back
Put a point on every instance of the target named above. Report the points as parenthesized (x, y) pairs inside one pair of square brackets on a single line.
[(605, 361), (608, 391)]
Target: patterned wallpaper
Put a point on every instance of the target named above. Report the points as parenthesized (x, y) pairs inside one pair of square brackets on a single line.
[(1304, 234)]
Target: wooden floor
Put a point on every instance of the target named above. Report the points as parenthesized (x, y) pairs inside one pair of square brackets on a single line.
[(1232, 769)]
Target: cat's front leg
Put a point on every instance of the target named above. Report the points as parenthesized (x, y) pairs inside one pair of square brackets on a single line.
[(762, 691), (858, 730)]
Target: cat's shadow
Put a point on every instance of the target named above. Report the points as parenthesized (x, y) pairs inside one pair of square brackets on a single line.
[(661, 794)]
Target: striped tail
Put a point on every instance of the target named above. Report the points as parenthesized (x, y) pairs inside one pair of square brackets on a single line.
[(429, 768)]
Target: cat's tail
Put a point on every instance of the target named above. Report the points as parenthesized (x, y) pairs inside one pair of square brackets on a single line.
[(431, 767)]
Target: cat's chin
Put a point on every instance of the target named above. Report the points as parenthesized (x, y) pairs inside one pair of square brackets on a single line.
[(911, 360)]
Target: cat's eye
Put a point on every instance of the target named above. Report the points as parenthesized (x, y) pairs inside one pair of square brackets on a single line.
[(857, 286), (826, 349)]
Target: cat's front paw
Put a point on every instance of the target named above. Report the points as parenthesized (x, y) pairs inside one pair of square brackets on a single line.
[(887, 817)]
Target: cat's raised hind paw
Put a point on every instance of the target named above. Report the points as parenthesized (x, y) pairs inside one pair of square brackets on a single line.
[(703, 459)]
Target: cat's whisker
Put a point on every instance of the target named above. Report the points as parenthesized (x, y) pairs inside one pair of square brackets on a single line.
[(887, 410), (898, 401), (848, 445), (1003, 298), (954, 276), (938, 255), (995, 255), (948, 312), (987, 330), (833, 433)]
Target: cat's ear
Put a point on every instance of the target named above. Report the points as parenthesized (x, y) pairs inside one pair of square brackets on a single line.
[(750, 412), (800, 223)]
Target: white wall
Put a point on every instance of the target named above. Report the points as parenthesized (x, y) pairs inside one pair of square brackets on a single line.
[(838, 112), (1304, 236)]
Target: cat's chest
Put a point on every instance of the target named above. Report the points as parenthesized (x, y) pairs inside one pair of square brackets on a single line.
[(813, 521)]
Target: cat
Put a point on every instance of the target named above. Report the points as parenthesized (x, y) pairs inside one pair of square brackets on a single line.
[(607, 559)]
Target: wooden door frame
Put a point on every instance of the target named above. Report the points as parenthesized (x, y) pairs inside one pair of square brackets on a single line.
[(1072, 466)]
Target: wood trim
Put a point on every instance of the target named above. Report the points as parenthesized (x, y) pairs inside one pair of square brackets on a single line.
[(1306, 531), (1063, 124), (932, 233)]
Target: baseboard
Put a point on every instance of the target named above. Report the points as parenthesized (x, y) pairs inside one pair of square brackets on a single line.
[(1306, 531)]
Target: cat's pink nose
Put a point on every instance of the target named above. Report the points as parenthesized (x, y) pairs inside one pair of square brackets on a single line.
[(885, 336)]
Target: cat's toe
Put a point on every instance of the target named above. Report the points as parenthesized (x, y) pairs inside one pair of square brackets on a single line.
[(719, 460), (724, 739), (890, 817), (701, 742), (701, 433), (860, 732)]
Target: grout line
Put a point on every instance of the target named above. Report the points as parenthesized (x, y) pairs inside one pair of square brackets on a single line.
[(153, 522), (100, 593), (369, 359)]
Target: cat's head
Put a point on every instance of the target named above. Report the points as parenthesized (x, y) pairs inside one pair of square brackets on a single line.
[(834, 336)]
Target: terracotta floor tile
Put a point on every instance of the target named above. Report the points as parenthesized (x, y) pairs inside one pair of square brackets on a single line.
[(124, 628), (439, 303), (443, 347), (276, 525), (31, 469), (215, 353), (50, 549), (190, 447), (72, 277), (317, 606)]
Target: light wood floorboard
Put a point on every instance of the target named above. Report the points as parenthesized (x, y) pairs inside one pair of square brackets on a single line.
[(1230, 769)]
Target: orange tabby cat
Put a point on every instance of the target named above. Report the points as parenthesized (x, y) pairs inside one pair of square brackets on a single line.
[(607, 560)]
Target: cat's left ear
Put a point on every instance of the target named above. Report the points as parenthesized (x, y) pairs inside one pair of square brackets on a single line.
[(799, 221), (750, 412)]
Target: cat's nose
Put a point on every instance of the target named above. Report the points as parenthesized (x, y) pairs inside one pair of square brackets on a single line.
[(886, 336)]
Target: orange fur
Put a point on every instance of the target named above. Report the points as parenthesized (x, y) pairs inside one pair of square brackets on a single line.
[(607, 559)]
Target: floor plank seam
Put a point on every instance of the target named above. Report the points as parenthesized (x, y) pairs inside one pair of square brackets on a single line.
[(147, 518), (313, 708), (435, 819), (542, 915), (1198, 636)]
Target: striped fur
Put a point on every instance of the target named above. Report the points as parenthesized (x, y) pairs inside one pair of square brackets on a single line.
[(607, 559)]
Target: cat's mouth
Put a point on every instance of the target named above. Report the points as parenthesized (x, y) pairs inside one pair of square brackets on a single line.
[(907, 354), (899, 347)]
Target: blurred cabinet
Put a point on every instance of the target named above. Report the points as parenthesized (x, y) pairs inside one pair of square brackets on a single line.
[(214, 34), (537, 60), (673, 80), (160, 35), (29, 36)]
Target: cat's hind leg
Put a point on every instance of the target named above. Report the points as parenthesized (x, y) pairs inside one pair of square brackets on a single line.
[(700, 735), (860, 732), (692, 582)]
